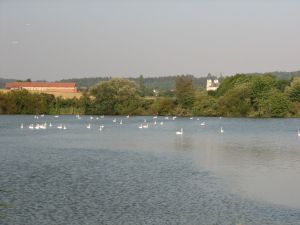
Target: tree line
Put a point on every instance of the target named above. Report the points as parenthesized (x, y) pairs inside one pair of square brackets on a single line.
[(237, 96), (162, 83)]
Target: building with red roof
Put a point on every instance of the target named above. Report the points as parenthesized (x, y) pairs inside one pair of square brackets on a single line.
[(42, 86)]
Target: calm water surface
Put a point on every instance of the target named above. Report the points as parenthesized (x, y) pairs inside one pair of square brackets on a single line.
[(250, 174)]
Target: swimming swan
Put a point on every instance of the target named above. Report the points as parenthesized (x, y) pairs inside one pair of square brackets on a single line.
[(179, 132)]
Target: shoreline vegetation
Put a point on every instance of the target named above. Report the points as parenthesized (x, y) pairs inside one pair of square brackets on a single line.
[(241, 95)]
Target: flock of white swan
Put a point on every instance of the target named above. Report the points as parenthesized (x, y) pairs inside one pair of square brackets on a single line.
[(144, 125)]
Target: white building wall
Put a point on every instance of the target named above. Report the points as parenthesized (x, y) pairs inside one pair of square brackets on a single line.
[(212, 85)]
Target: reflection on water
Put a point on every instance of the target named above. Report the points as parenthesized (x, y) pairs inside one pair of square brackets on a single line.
[(263, 161), (126, 175), (183, 143)]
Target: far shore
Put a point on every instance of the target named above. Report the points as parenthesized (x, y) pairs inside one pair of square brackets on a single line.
[(147, 115)]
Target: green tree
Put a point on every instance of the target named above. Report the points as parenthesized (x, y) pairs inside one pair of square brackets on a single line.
[(230, 82), (162, 106), (281, 85), (28, 103), (205, 105), (185, 91), (116, 96), (274, 104), (260, 87), (7, 105), (236, 102), (294, 90), (142, 86), (86, 104)]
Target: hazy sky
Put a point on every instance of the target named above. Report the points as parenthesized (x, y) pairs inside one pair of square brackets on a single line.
[(54, 39)]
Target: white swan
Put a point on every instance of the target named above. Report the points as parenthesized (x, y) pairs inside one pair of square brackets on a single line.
[(121, 122), (114, 120), (22, 126), (146, 126), (179, 132), (141, 126), (202, 124), (50, 124), (155, 122), (221, 130), (64, 127), (88, 126), (42, 126), (174, 117), (161, 123), (298, 133), (60, 126), (31, 127)]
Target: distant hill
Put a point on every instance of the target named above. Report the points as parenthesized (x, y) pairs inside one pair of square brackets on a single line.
[(161, 83), (3, 81), (84, 83), (167, 82), (281, 75), (286, 75)]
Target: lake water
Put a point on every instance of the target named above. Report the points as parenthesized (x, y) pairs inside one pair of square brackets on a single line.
[(250, 174)]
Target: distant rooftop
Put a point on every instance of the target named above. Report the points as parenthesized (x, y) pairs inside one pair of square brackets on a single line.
[(38, 84)]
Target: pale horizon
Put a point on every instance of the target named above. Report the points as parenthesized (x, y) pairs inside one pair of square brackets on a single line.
[(49, 40)]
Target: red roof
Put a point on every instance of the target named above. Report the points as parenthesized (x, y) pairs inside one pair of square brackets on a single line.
[(38, 84)]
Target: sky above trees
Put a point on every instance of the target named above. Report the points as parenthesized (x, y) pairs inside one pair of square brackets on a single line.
[(44, 39)]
